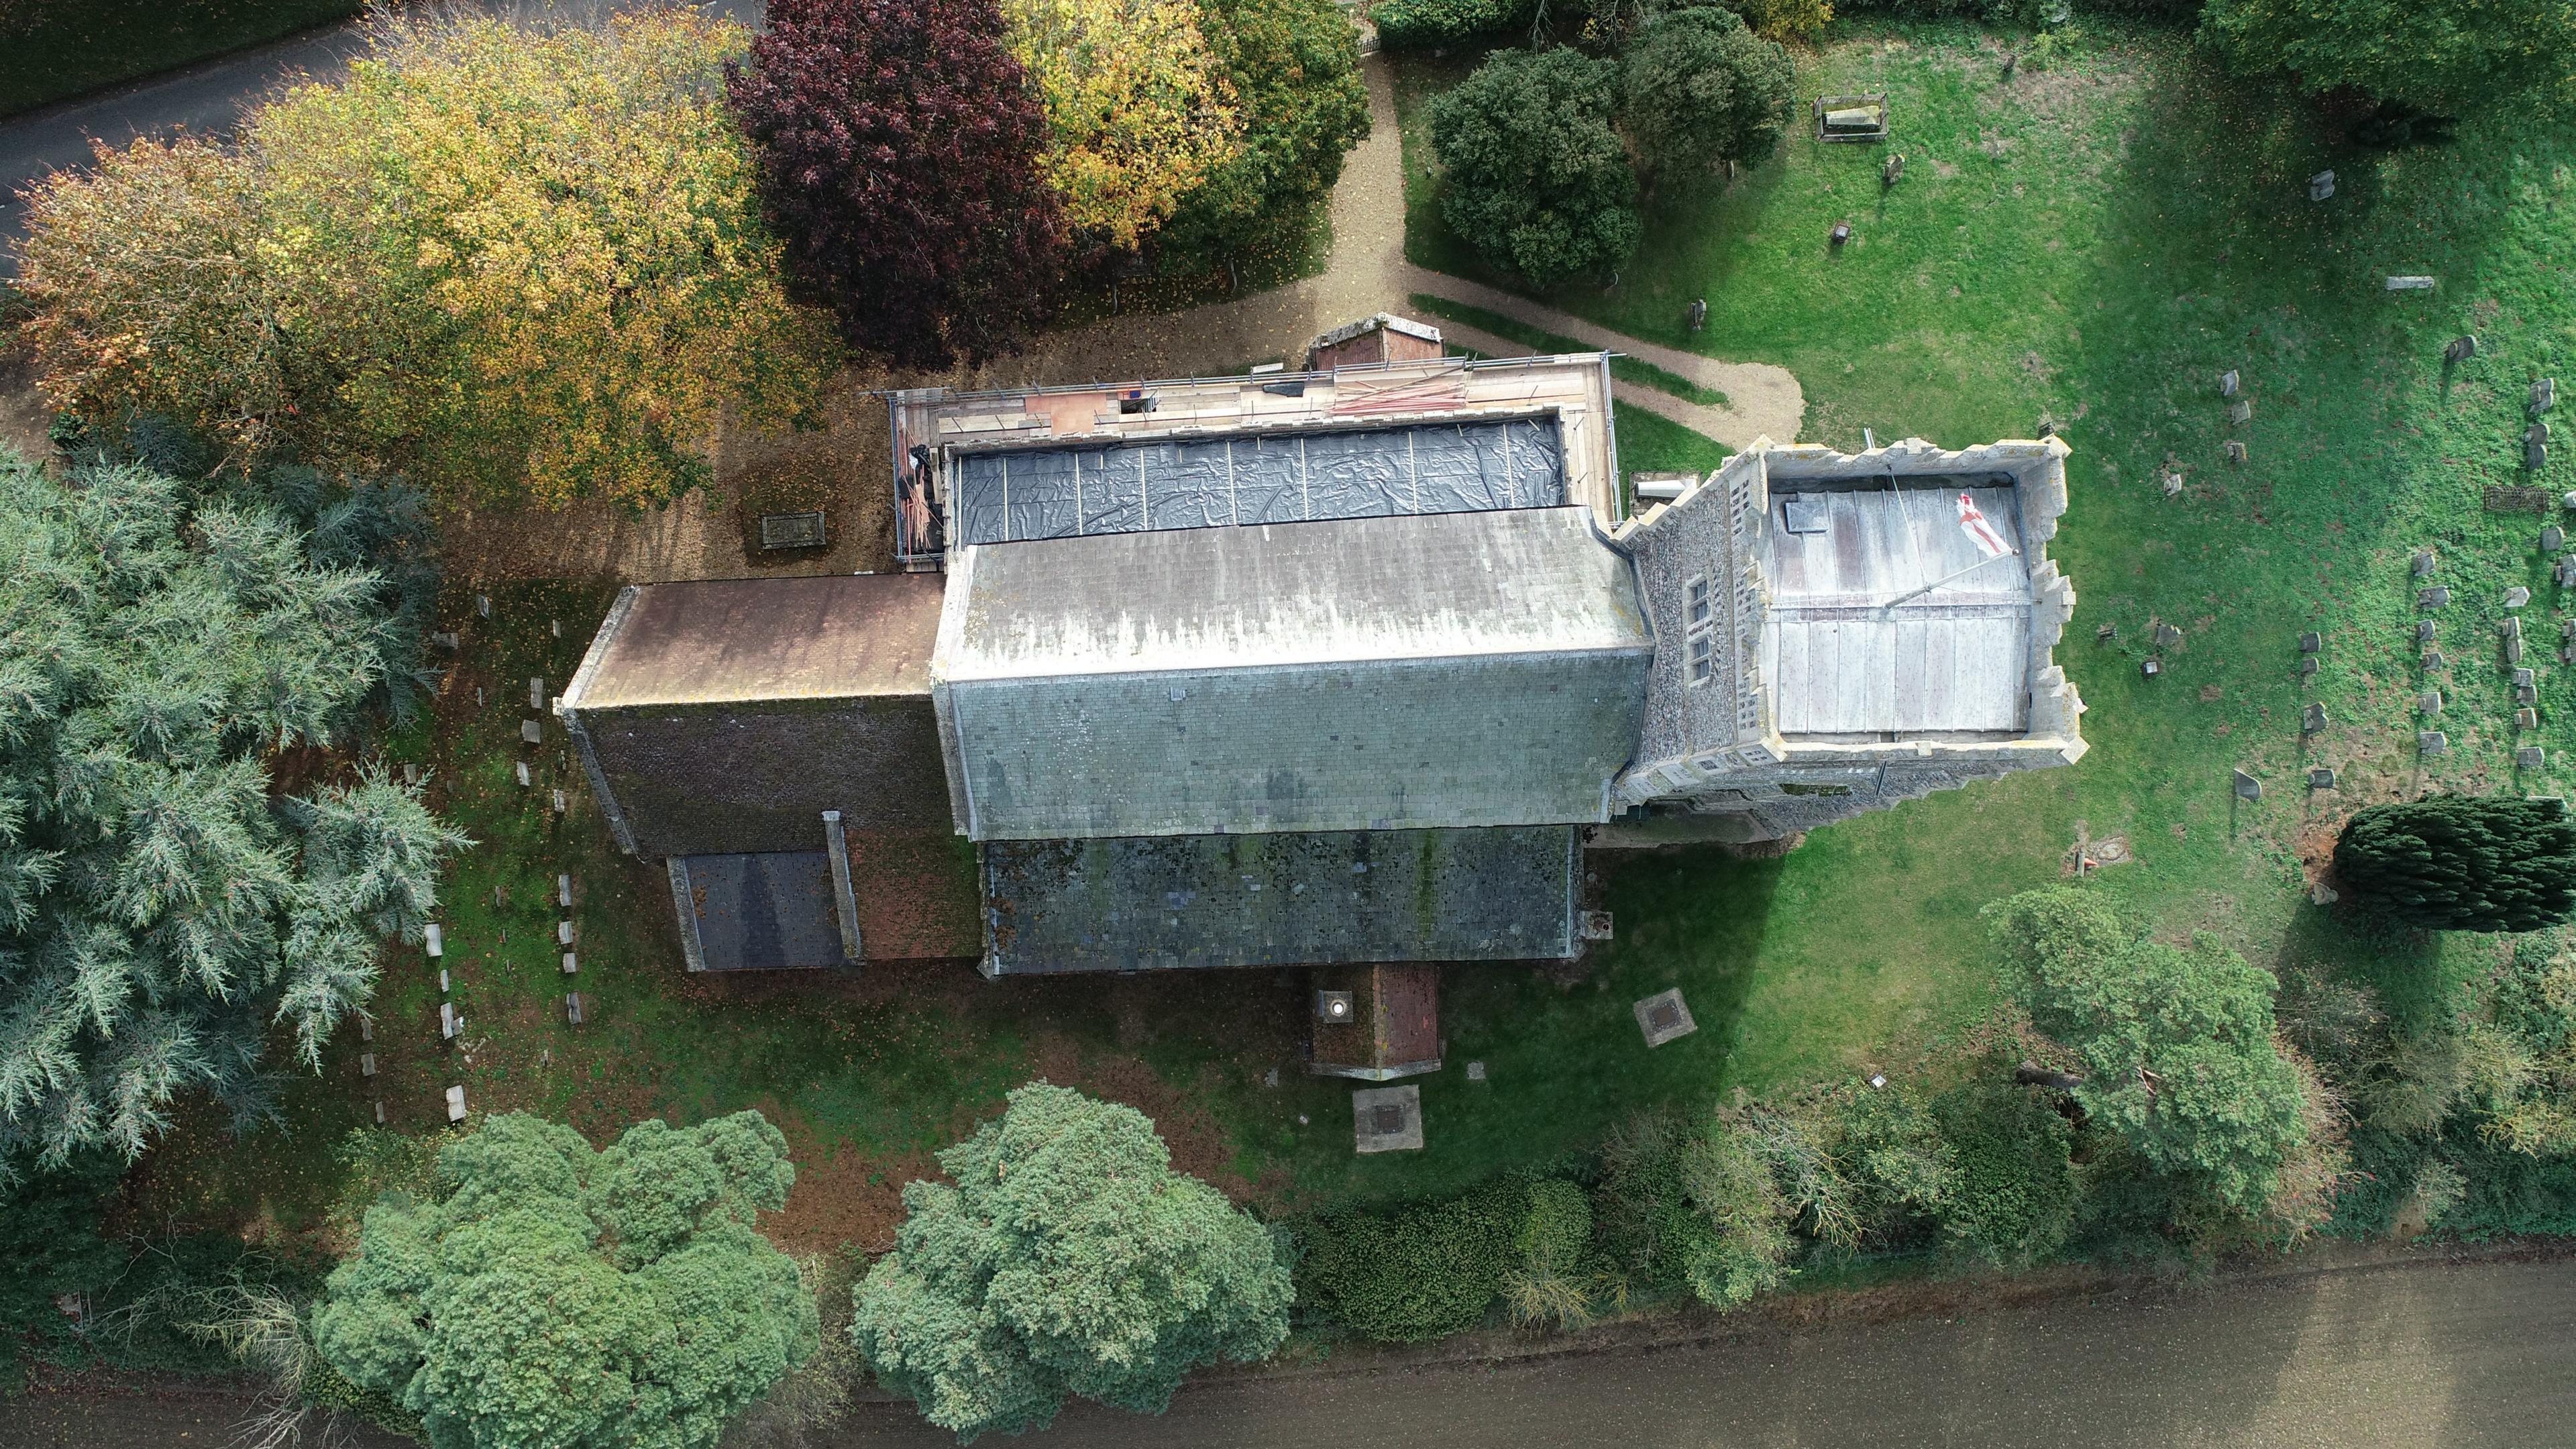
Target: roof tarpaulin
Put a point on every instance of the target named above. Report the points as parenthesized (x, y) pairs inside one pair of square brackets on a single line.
[(1016, 494)]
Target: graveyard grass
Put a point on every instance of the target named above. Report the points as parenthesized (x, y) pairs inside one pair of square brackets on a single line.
[(2091, 244)]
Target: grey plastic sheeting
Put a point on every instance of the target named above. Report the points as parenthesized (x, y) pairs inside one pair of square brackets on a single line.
[(1020, 494)]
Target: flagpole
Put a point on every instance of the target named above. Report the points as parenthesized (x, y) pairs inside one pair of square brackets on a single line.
[(1890, 605)]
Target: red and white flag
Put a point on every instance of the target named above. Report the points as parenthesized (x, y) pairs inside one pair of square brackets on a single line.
[(1980, 532)]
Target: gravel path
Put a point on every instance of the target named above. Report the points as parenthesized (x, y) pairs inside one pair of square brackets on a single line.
[(1368, 273)]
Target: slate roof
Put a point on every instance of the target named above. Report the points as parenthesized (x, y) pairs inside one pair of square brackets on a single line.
[(1280, 899), (1446, 670)]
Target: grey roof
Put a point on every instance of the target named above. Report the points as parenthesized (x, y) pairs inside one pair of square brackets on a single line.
[(1954, 659), (763, 912), (1461, 669), (1281, 899), (1016, 494)]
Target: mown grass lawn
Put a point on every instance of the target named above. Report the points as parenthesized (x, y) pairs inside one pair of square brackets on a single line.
[(2090, 244)]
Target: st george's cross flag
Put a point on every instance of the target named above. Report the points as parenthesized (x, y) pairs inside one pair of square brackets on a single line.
[(1980, 532)]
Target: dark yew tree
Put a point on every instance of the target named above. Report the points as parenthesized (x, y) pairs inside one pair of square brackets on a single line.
[(899, 146), (2463, 862)]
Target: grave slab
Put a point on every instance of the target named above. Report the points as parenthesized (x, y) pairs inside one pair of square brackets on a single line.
[(2431, 742), (1387, 1119), (1664, 1017), (2321, 778)]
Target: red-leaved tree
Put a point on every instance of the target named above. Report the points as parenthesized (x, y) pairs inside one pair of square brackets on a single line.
[(900, 143)]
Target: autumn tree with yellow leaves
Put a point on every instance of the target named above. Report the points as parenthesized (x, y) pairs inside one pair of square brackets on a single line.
[(1139, 110), (514, 263)]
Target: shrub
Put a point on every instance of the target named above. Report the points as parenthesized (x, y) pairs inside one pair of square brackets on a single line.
[(2012, 1201), (1728, 1180), (2462, 862), (2177, 1045), (550, 1295), (1139, 112), (1700, 89), (506, 263), (1537, 180), (1421, 1272), (1548, 1286), (1294, 67), (899, 151), (2441, 55), (1425, 24), (1067, 1259)]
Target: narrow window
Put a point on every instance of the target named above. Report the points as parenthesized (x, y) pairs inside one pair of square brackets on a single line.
[(1703, 658), (1699, 601)]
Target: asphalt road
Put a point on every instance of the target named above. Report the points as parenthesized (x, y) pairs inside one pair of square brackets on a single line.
[(206, 98), (2412, 1357)]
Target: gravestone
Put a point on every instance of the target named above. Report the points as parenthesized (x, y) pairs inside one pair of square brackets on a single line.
[(2526, 695), (2565, 572), (1387, 1119), (2462, 348), (2104, 633), (1840, 234), (2429, 703), (2510, 628), (456, 1104), (2433, 659), (2552, 539), (434, 940), (2235, 451), (448, 1022), (483, 606), (1698, 313), (366, 1029), (442, 977), (1893, 171), (2167, 636), (2227, 383), (447, 640), (2425, 562), (563, 891), (2529, 757), (2535, 456), (2431, 742), (2311, 642), (411, 773), (366, 1064), (519, 772), (2321, 778), (1664, 1017), (2314, 720), (2526, 718), (2516, 597), (555, 627), (2321, 186), (2173, 485), (563, 933), (2410, 283), (380, 1113), (2241, 411), (2435, 597), (2308, 665), (2150, 668), (2522, 679), (536, 692), (2544, 394), (531, 732), (2513, 650), (571, 964), (2425, 629), (2247, 787), (559, 802)]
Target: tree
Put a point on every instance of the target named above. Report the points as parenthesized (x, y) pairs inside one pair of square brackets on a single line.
[(158, 909), (1294, 67), (1537, 181), (2177, 1045), (1139, 113), (2441, 55), (508, 263), (2462, 862), (1700, 88), (1069, 1258), (899, 152), (549, 1296)]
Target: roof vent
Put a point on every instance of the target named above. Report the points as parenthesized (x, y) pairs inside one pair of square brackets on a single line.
[(1803, 513)]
